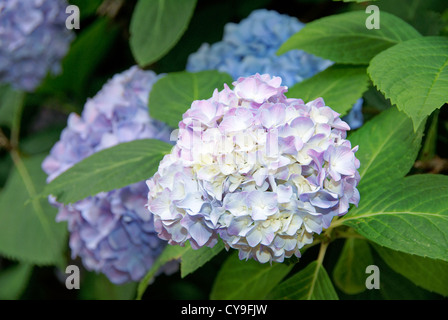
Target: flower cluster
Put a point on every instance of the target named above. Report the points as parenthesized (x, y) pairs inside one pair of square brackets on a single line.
[(33, 40), (112, 232), (250, 47), (259, 170)]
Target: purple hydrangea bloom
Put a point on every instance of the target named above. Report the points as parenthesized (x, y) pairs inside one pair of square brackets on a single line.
[(261, 171), (112, 232), (250, 47), (33, 40)]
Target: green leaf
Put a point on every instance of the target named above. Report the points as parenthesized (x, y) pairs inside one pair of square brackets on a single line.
[(344, 38), (194, 259), (414, 76), (98, 287), (423, 15), (311, 283), (13, 281), (408, 215), (170, 253), (10, 100), (247, 280), (340, 86), (41, 141), (87, 8), (173, 94), (156, 26), (358, 1), (109, 169), (28, 230), (430, 146), (190, 259), (388, 148), (427, 273), (349, 273)]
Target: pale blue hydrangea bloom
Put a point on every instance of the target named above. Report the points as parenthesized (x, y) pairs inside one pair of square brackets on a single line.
[(262, 172), (112, 232), (33, 40), (250, 47)]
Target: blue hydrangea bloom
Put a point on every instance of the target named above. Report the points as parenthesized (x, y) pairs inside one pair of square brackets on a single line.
[(33, 40), (250, 47), (112, 231)]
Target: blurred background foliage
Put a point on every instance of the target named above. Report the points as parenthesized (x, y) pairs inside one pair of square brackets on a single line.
[(101, 49)]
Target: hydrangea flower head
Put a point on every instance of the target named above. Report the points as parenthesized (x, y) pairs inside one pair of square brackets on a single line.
[(250, 47), (33, 40), (112, 232), (261, 171)]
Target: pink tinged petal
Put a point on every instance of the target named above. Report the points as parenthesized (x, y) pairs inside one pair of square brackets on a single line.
[(208, 173), (342, 161), (284, 193), (263, 204), (198, 231), (290, 145), (237, 120), (279, 242), (313, 223), (323, 129), (179, 234), (238, 225), (254, 237), (324, 200), (162, 207), (340, 124), (295, 223), (77, 124), (318, 103), (243, 255), (326, 220), (253, 89), (260, 176), (205, 111), (268, 237), (236, 204), (214, 189), (318, 157), (50, 164), (192, 203), (262, 256), (290, 244), (355, 198), (303, 127), (343, 206), (109, 140), (215, 214), (273, 116)]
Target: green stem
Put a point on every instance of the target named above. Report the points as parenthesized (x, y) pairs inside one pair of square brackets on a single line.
[(320, 259), (347, 234), (15, 128), (29, 185)]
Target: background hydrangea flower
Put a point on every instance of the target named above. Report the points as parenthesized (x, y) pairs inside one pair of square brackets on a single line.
[(261, 171), (33, 40), (112, 232), (250, 47)]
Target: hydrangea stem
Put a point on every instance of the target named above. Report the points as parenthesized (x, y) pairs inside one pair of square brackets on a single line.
[(320, 258)]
